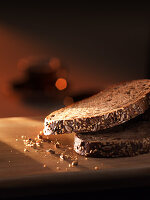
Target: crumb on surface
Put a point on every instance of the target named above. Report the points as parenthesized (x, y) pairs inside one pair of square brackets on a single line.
[(62, 156), (57, 145), (96, 168), (74, 163), (58, 168), (26, 150), (50, 151)]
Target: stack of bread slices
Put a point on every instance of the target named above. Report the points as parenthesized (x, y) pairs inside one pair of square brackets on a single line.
[(113, 123)]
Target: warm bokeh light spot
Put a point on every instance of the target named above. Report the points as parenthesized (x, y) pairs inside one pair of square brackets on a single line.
[(54, 63), (68, 101), (61, 84)]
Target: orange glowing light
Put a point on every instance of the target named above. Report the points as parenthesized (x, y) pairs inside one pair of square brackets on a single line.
[(61, 84)]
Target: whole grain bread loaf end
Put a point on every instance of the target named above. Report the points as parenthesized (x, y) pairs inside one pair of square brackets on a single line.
[(113, 106)]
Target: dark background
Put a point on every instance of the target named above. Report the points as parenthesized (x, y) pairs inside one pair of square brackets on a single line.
[(100, 43)]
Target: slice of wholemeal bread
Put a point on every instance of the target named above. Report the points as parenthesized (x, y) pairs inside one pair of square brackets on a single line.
[(111, 107), (129, 139)]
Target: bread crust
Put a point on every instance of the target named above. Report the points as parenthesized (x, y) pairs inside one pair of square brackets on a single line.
[(99, 121)]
